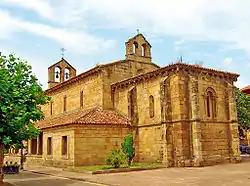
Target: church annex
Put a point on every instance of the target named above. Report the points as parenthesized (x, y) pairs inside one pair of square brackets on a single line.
[(181, 114)]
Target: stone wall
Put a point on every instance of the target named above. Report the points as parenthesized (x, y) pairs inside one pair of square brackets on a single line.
[(62, 65), (94, 143), (120, 71), (12, 157), (56, 158), (92, 95), (215, 141), (138, 49), (189, 134), (149, 146)]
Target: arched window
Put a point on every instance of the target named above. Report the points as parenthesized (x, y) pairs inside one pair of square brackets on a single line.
[(57, 74), (81, 99), (135, 47), (143, 50), (66, 74), (151, 106), (211, 103), (64, 103), (51, 108)]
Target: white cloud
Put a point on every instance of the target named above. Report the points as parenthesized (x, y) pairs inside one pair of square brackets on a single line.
[(240, 83), (38, 63), (228, 60), (7, 25), (42, 7), (75, 40), (218, 20), (179, 42), (179, 45), (206, 20)]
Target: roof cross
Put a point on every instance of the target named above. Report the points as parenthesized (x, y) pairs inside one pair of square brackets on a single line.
[(62, 52)]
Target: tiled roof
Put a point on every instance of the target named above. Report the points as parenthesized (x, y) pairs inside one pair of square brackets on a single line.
[(245, 88), (97, 68), (172, 66), (98, 116), (92, 116)]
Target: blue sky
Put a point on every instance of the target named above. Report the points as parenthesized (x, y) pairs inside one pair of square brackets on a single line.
[(214, 32)]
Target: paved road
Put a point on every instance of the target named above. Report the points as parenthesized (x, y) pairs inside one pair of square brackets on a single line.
[(32, 179)]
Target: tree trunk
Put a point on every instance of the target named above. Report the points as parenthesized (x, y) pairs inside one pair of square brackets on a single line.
[(1, 161), (129, 161), (22, 159)]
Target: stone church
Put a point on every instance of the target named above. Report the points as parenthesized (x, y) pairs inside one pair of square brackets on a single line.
[(180, 114)]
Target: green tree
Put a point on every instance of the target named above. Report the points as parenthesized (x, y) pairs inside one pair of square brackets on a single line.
[(243, 110), (20, 99), (127, 147)]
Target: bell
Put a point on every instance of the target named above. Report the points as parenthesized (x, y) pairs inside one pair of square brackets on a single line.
[(57, 74), (67, 75)]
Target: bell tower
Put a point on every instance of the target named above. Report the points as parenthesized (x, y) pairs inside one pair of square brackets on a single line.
[(138, 49), (60, 72)]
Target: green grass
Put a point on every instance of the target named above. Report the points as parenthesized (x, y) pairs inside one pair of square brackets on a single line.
[(105, 167)]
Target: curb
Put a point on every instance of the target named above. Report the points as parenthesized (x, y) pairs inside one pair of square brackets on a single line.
[(126, 170), (120, 170), (71, 178)]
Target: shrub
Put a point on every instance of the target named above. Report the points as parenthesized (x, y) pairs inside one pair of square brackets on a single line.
[(127, 148), (116, 158)]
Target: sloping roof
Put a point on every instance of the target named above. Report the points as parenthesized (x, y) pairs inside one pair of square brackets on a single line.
[(137, 36), (91, 116), (246, 88), (88, 72), (172, 66), (60, 62)]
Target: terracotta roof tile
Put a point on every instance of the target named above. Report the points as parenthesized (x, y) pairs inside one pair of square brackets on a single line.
[(245, 88), (172, 66), (98, 116), (91, 116), (97, 68)]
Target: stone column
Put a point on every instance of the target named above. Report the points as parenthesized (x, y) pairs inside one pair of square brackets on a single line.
[(233, 126), (196, 124), (164, 128)]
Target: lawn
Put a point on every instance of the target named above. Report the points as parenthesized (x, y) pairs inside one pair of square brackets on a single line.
[(105, 167)]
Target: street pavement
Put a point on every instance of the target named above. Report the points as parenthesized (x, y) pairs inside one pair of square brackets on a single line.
[(218, 175), (33, 179)]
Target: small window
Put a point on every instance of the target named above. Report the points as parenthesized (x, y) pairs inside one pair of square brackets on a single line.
[(34, 146), (143, 50), (151, 106), (81, 99), (66, 74), (211, 103), (64, 103), (49, 146), (57, 74), (64, 145), (135, 47), (16, 150), (51, 108)]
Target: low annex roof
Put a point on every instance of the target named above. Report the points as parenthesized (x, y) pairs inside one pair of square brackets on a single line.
[(92, 116), (246, 88)]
